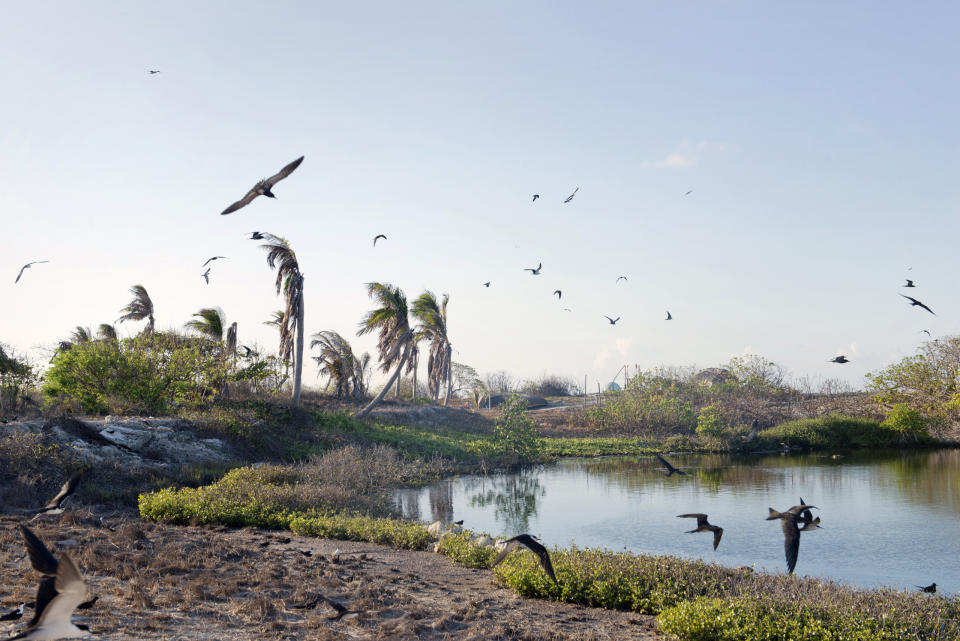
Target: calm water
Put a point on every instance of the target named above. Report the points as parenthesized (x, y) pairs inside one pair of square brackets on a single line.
[(890, 519)]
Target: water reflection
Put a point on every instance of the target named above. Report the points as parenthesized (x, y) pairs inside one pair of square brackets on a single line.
[(627, 502)]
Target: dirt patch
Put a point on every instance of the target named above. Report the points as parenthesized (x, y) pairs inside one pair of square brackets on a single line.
[(165, 582)]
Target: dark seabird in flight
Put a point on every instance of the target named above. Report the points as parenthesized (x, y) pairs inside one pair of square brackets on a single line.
[(211, 259), (247, 351), (927, 332), (932, 588), (486, 284), (533, 545), (619, 278), (206, 275), (558, 293), (535, 196), (154, 71), (671, 470), (613, 321), (255, 235), (915, 303), (839, 359), (27, 266), (13, 615), (789, 521), (669, 316), (534, 272), (909, 283), (567, 309), (263, 187), (377, 237), (570, 197), (704, 526), (54, 506), (688, 193), (807, 516), (341, 610)]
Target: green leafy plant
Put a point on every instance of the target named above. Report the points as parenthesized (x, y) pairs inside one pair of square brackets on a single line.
[(515, 434)]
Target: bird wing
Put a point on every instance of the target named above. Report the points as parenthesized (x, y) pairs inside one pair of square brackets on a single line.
[(558, 293), (46, 591), (339, 607), (40, 557), (616, 319), (797, 509), (21, 273), (243, 202), (717, 535), (608, 318), (283, 173), (791, 542), (507, 549), (925, 307), (666, 463), (66, 490), (542, 554), (71, 592), (701, 518), (619, 278)]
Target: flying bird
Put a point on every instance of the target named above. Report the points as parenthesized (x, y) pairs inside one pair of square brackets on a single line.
[(570, 197), (263, 187), (535, 196), (915, 303), (909, 283), (377, 237), (807, 516), (791, 531), (486, 284), (154, 71), (619, 278), (839, 359), (255, 235), (688, 193), (932, 588), (27, 266), (671, 470), (567, 309), (341, 610), (613, 321), (206, 275), (669, 316), (14, 614), (927, 332), (534, 272), (531, 544), (211, 259), (54, 506), (704, 526), (558, 293)]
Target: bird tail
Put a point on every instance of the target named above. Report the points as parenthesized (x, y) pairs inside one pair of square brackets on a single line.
[(812, 525), (775, 515)]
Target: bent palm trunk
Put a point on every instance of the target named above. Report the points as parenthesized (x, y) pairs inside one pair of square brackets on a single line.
[(386, 388), (298, 363)]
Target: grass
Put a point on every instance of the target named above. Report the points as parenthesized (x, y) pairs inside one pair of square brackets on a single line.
[(833, 432), (595, 446)]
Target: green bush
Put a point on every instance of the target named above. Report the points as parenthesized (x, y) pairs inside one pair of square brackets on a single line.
[(16, 378), (711, 422), (460, 549), (907, 422), (515, 435), (841, 432)]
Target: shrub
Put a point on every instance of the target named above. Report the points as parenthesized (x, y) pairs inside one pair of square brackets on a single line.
[(515, 434), (462, 550), (16, 377), (711, 422), (906, 422), (551, 385), (827, 432)]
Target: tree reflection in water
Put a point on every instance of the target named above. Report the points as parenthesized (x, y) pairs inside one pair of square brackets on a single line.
[(513, 497), (441, 501)]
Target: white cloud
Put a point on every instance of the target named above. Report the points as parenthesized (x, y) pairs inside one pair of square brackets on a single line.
[(623, 344), (601, 358), (688, 154)]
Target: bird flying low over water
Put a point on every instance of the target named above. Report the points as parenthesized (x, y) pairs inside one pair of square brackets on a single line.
[(807, 516), (535, 196), (570, 197), (932, 588), (839, 359), (671, 470), (377, 237), (619, 278), (909, 283), (613, 321), (27, 266), (558, 293), (206, 275), (915, 303), (789, 521), (704, 526), (534, 272), (263, 187), (486, 284), (211, 260), (255, 235), (669, 316), (531, 544), (54, 506)]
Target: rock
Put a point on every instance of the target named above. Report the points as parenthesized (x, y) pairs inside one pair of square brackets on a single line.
[(435, 528), (484, 540), (436, 546)]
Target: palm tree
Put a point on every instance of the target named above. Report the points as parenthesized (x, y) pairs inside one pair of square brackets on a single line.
[(412, 364), (209, 323), (433, 327), (107, 332), (396, 335), (286, 346), (361, 375), (139, 308), (81, 335), (337, 361), (290, 281), (232, 339)]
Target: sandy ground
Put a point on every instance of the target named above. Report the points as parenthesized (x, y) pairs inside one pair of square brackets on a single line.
[(163, 582)]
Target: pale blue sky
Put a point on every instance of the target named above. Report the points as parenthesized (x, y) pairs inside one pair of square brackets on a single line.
[(819, 139)]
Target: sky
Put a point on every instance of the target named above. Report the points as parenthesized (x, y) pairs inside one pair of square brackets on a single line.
[(819, 140)]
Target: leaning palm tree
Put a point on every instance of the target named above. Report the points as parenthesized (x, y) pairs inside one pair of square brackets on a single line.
[(81, 335), (139, 308), (289, 280), (279, 321), (412, 364), (336, 360), (209, 322), (433, 327), (107, 332), (361, 375), (391, 320)]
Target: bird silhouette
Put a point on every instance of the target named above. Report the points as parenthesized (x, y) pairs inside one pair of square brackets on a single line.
[(839, 359), (247, 351), (669, 316), (613, 321), (619, 278), (915, 303), (534, 272), (671, 470), (154, 71), (263, 188), (704, 526), (533, 545), (558, 293), (807, 516), (255, 235), (206, 275), (378, 236), (570, 197), (535, 196), (789, 521), (27, 266), (926, 331), (932, 588), (688, 193), (486, 284), (909, 283), (55, 504), (567, 309), (211, 259)]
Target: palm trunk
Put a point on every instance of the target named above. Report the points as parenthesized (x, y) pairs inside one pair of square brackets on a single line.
[(416, 361), (386, 388), (298, 363), (446, 399)]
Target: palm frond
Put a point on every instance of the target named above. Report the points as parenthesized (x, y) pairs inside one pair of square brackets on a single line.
[(210, 322), (107, 332), (139, 308)]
